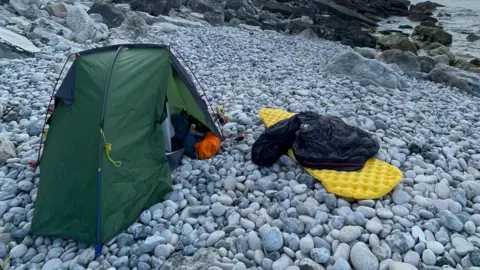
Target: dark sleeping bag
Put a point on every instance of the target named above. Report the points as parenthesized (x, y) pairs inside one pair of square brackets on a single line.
[(318, 142), (327, 142)]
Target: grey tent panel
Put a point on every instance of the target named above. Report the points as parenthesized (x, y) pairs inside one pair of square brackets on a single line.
[(67, 88)]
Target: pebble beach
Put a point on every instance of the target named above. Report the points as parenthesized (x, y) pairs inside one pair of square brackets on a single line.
[(228, 213)]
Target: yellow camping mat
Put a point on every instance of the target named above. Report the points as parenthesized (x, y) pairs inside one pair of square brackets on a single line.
[(373, 181)]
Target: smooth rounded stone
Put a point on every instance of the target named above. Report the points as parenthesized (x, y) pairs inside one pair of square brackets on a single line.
[(362, 258), (247, 224), (349, 233), (306, 244), (320, 255), (299, 188), (428, 257), (317, 230), (436, 247), (400, 242), (272, 239), (374, 226), (420, 247), (337, 222), (384, 213), (218, 209), (400, 197), (451, 221), (373, 240), (367, 212), (342, 251), (3, 250), (401, 266), (442, 190), (52, 264), (475, 258), (282, 263), (18, 251), (341, 264), (442, 237), (400, 210), (426, 214), (470, 227), (461, 245), (163, 250), (418, 233), (412, 257), (254, 241)]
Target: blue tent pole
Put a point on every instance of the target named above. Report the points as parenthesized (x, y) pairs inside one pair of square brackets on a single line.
[(98, 246)]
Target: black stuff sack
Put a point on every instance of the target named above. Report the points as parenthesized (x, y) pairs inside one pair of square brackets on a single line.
[(275, 142), (327, 142)]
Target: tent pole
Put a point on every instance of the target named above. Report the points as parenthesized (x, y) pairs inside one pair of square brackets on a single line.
[(98, 246), (48, 107)]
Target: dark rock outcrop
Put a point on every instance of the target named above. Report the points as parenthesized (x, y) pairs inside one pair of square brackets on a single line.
[(473, 37), (277, 7), (203, 6), (399, 42), (215, 18), (112, 16), (152, 7), (422, 11), (380, 8), (342, 12), (432, 34), (350, 22), (425, 7), (347, 33)]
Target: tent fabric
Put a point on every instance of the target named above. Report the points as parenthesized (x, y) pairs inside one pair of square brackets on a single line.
[(68, 202)]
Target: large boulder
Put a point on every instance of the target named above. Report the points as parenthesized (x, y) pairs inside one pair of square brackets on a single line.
[(135, 25), (427, 63), (367, 71), (152, 7), (442, 50), (215, 18), (59, 10), (406, 61), (366, 52), (455, 77), (399, 42), (432, 34), (462, 64), (425, 7), (112, 16), (475, 62), (84, 27), (22, 7), (7, 149), (48, 32), (472, 37), (13, 45)]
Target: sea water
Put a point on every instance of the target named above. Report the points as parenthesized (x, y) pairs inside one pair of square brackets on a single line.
[(465, 19)]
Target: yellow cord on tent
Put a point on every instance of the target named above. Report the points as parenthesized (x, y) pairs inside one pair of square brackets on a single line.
[(108, 148)]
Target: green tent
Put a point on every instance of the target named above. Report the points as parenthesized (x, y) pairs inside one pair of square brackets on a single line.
[(128, 92)]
